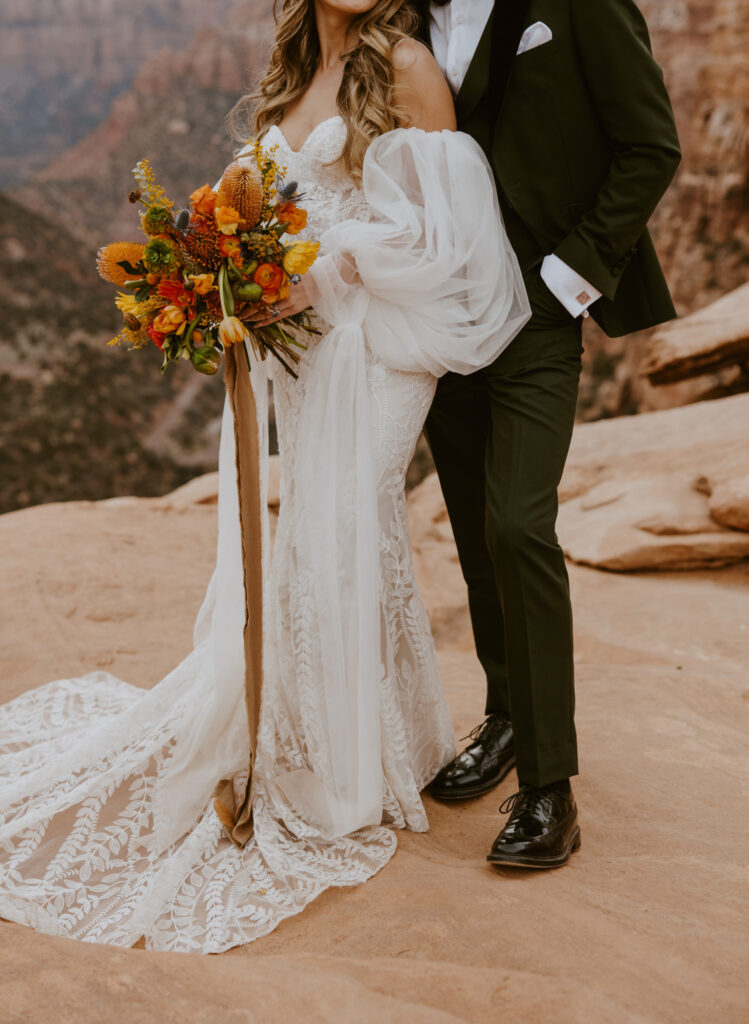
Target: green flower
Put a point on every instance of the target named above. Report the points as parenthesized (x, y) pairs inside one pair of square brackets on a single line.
[(160, 256), (156, 220)]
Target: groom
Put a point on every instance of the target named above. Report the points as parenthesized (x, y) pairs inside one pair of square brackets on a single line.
[(568, 104)]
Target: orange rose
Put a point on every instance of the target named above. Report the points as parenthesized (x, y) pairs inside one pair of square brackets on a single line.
[(269, 277), (270, 298), (294, 218), (230, 247), (170, 320), (227, 219), (203, 200)]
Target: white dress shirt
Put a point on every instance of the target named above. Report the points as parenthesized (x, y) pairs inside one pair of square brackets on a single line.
[(456, 29)]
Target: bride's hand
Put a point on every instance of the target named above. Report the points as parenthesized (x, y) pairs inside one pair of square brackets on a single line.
[(297, 301)]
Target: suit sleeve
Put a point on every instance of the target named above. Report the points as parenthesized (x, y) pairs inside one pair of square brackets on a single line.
[(630, 97)]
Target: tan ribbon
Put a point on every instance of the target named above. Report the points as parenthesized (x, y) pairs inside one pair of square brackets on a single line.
[(233, 797)]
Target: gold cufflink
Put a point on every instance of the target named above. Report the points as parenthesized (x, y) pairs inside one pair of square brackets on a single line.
[(583, 297)]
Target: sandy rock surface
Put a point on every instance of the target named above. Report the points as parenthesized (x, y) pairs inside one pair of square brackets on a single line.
[(662, 490), (715, 336), (646, 924)]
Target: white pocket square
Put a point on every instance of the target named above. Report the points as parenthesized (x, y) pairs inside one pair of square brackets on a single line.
[(535, 35)]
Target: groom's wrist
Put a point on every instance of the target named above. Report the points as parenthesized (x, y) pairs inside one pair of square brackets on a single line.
[(568, 287)]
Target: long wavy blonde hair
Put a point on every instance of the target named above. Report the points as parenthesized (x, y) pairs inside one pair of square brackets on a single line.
[(365, 99)]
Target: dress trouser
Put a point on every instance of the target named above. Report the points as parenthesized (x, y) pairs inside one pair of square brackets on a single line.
[(499, 439)]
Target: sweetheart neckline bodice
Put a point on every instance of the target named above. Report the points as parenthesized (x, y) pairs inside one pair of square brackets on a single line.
[(310, 136)]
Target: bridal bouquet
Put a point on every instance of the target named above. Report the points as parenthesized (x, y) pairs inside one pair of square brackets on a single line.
[(193, 286)]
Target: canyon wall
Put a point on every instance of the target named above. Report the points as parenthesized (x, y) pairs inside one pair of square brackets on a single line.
[(157, 81), (62, 62)]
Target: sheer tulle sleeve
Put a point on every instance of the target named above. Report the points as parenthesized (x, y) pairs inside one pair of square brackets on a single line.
[(442, 286)]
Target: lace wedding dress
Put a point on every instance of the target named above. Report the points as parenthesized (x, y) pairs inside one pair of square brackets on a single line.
[(107, 826)]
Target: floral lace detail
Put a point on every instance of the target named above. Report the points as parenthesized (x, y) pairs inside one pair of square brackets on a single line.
[(83, 851)]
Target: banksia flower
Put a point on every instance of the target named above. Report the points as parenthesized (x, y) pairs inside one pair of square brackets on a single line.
[(242, 189), (202, 240), (109, 256)]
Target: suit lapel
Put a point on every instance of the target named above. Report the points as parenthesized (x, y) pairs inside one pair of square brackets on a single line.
[(492, 63), (477, 77), (509, 22)]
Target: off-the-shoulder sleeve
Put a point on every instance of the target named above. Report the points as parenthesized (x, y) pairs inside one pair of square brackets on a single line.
[(443, 288)]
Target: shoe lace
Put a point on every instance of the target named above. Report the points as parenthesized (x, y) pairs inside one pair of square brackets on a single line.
[(527, 797), (479, 732)]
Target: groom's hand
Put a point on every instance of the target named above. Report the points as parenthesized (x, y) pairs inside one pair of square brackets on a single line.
[(297, 301), (546, 308)]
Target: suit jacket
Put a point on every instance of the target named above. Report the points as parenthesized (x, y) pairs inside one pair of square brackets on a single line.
[(580, 134)]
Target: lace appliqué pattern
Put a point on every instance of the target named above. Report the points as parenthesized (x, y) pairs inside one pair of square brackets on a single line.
[(85, 851)]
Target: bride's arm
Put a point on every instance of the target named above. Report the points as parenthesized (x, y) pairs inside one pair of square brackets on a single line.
[(423, 100), (421, 92)]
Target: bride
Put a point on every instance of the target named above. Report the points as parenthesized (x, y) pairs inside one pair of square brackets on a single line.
[(108, 827)]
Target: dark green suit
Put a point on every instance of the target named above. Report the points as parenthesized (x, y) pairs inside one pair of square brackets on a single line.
[(580, 134)]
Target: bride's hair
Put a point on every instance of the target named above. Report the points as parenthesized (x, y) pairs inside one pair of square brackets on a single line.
[(365, 98)]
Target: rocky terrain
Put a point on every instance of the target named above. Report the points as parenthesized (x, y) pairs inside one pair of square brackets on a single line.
[(646, 925), (169, 105), (701, 227), (81, 419)]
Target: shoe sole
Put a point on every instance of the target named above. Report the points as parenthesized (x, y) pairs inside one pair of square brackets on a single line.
[(538, 863), (473, 791)]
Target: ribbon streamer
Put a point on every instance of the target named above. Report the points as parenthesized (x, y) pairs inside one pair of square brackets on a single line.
[(233, 796)]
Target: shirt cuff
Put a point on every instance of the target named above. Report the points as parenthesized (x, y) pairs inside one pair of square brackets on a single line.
[(572, 290)]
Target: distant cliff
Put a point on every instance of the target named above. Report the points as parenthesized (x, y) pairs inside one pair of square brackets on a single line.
[(173, 114), (62, 62), (80, 420)]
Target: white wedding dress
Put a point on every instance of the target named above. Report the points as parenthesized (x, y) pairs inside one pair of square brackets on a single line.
[(107, 827)]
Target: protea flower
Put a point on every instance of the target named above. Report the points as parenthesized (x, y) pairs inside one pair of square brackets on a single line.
[(202, 240), (242, 189)]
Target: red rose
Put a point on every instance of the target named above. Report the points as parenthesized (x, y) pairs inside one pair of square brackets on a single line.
[(156, 336)]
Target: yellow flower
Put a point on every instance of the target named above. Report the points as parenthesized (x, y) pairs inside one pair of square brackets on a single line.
[(227, 219), (300, 258), (125, 302), (231, 331), (203, 283), (171, 320)]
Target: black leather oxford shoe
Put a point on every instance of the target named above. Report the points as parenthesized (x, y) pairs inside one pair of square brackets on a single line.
[(481, 766), (542, 831)]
